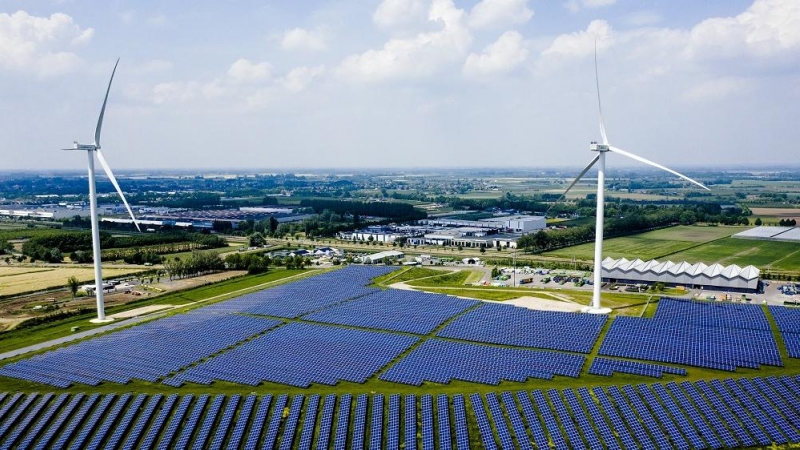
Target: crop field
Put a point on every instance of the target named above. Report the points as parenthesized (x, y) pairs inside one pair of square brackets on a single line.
[(651, 245), (16, 280)]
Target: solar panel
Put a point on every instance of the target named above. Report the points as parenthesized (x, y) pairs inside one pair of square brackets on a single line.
[(523, 327)]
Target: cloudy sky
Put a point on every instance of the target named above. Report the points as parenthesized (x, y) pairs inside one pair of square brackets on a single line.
[(398, 83)]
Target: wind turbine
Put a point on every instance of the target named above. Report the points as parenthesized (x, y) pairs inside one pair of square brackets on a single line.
[(601, 150), (91, 150)]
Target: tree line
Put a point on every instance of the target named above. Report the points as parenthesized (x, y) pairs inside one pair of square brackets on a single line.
[(51, 245)]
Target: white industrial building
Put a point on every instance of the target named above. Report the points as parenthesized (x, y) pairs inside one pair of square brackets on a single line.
[(382, 257), (699, 275), (517, 224)]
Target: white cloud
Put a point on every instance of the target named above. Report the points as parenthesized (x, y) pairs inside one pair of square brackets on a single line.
[(598, 3), (715, 89), (301, 39), (581, 44), (499, 13), (576, 5), (400, 13), (766, 28), (244, 71), (300, 77), (416, 56), (40, 44), (502, 56)]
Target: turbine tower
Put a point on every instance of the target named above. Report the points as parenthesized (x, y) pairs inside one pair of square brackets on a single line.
[(601, 150), (91, 150)]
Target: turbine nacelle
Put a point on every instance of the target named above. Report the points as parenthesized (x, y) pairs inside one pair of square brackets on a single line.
[(595, 147), (84, 147)]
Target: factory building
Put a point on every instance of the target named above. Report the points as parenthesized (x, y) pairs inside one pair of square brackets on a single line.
[(699, 275)]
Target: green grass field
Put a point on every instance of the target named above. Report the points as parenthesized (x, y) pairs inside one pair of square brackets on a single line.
[(782, 256), (651, 245)]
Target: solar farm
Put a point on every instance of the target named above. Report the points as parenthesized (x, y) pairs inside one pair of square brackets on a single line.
[(330, 362)]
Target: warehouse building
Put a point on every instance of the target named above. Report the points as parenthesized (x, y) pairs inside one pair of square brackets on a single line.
[(699, 275)]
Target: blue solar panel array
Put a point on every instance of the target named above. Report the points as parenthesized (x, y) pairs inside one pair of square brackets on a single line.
[(441, 361), (788, 320), (607, 367), (720, 336), (728, 413), (511, 325), (396, 310), (306, 295), (145, 352), (300, 354)]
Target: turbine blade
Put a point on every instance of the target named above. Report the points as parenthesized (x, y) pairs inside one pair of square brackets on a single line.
[(103, 109), (656, 165), (580, 175), (113, 179), (599, 104)]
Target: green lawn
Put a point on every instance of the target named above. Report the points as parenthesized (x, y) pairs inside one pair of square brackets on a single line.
[(412, 273), (651, 245), (784, 256), (449, 279)]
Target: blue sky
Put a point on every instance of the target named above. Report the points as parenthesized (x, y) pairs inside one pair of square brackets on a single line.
[(398, 83)]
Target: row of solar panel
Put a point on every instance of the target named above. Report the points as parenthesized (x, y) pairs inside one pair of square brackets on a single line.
[(788, 320), (729, 413), (703, 334), (127, 421), (716, 414), (607, 367), (306, 295), (712, 314)]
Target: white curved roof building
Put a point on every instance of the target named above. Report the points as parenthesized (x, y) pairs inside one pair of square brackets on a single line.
[(715, 276)]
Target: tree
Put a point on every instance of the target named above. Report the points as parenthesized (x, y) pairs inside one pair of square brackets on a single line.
[(55, 256), (483, 249), (73, 284), (758, 221), (273, 225), (257, 240)]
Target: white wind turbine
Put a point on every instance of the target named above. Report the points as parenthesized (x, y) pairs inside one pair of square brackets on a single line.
[(601, 150), (91, 150)]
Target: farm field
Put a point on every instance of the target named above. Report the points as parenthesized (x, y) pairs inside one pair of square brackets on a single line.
[(651, 245), (15, 280), (783, 256)]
